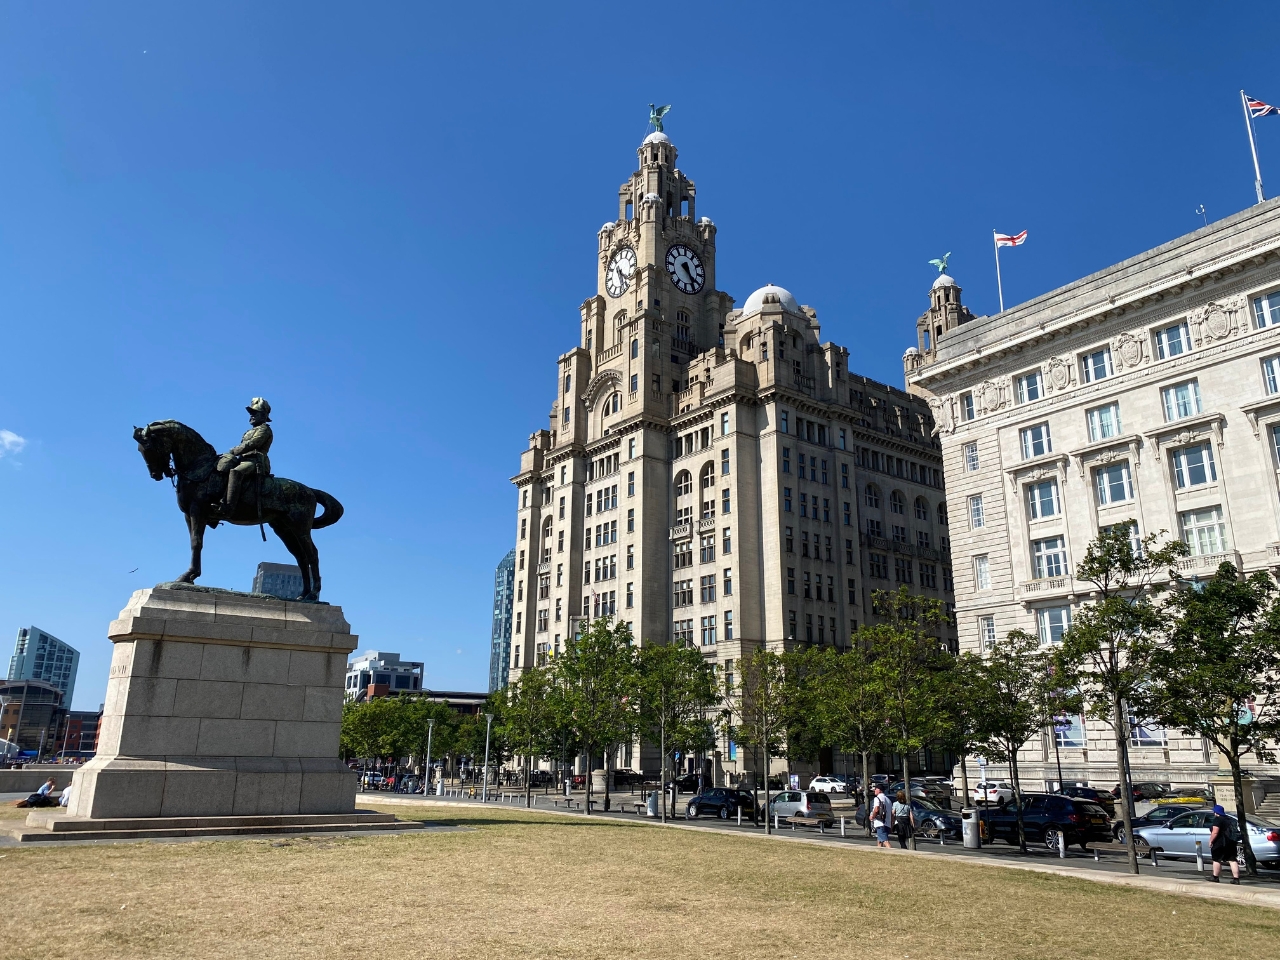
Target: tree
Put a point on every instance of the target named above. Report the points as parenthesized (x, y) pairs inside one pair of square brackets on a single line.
[(754, 712), (1106, 654), (424, 723), (846, 702), (909, 667), (528, 720), (964, 708), (1217, 673), (677, 688), (1017, 696), (599, 687)]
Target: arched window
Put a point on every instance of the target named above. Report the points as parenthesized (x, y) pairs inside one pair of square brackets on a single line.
[(873, 496), (897, 503), (942, 513), (922, 509), (708, 476), (635, 347), (684, 483)]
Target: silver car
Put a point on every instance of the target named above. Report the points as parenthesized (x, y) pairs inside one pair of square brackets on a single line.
[(1178, 837), (802, 803)]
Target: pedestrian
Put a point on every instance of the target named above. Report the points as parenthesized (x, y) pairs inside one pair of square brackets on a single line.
[(41, 797), (1223, 842), (904, 820), (881, 817)]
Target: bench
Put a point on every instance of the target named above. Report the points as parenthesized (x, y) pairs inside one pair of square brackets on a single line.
[(821, 823)]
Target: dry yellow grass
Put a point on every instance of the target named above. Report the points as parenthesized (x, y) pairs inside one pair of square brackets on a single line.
[(530, 886)]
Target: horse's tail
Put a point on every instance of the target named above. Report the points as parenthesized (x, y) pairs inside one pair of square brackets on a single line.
[(332, 510)]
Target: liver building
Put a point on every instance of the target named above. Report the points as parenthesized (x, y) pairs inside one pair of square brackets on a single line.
[(713, 476)]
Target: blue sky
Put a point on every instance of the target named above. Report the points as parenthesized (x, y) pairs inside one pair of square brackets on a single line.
[(383, 219)]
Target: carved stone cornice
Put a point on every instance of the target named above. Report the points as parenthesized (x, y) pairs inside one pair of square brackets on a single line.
[(1256, 409), (1104, 451), (1044, 467), (1187, 430)]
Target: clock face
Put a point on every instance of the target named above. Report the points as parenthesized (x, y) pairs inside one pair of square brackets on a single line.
[(685, 268), (622, 267)]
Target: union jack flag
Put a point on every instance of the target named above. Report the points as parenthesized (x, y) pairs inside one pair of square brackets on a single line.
[(1259, 109), (1013, 241)]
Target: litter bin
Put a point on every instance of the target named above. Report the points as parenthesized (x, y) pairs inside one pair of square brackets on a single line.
[(651, 805), (971, 828), (440, 787)]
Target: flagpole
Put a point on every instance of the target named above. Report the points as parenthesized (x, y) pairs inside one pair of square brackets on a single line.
[(999, 285), (1253, 147)]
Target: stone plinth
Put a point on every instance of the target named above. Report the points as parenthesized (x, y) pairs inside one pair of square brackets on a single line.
[(220, 704)]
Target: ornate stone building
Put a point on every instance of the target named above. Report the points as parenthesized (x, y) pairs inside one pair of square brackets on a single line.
[(714, 476), (1149, 391)]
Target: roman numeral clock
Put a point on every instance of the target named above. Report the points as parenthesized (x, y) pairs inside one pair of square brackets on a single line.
[(686, 269)]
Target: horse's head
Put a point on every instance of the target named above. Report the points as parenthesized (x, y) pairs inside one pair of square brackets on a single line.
[(155, 451)]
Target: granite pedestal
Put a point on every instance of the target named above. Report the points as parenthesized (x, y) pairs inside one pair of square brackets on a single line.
[(220, 704)]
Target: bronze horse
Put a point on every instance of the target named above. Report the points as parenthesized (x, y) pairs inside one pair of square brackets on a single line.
[(172, 449)]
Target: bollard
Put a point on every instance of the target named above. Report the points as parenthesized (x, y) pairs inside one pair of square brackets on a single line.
[(1062, 845), (775, 821), (842, 833), (739, 816), (1095, 855), (1199, 858), (1155, 862)]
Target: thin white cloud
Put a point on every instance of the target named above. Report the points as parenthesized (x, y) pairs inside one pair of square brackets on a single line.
[(10, 443)]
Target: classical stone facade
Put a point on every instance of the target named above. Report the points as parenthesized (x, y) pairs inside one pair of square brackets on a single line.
[(714, 476), (1149, 391)]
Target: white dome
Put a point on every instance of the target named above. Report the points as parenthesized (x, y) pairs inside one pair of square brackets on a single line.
[(942, 281), (756, 300), (607, 226), (911, 352), (657, 137)]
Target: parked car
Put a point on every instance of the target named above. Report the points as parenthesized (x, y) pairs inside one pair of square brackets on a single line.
[(723, 802), (627, 778), (881, 778), (1047, 818), (828, 785), (1102, 798), (541, 778), (802, 803), (1143, 791), (937, 789), (992, 791), (1178, 837), (688, 782), (933, 821), (1157, 816), (918, 790)]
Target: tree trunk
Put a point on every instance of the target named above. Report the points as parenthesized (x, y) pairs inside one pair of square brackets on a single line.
[(964, 780), (528, 780), (906, 789), (662, 773), (608, 756), (1121, 731), (866, 796), (586, 807), (1242, 825), (1017, 797)]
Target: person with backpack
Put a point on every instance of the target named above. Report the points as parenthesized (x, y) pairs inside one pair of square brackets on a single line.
[(1224, 839), (904, 820), (881, 817)]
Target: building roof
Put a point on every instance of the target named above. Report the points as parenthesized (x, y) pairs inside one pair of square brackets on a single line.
[(657, 137), (756, 301), (943, 281)]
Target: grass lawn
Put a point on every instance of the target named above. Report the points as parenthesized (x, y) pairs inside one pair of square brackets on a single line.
[(529, 885)]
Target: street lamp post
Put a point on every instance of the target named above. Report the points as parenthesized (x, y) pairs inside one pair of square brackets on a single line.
[(484, 789), (426, 772)]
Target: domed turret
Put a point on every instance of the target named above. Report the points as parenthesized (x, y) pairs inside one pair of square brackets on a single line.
[(773, 294)]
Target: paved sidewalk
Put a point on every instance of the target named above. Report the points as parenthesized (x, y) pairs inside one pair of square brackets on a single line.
[(1175, 877)]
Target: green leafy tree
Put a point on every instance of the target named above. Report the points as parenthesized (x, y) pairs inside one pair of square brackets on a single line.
[(1017, 697), (677, 688), (424, 722), (1107, 653), (1217, 673), (964, 708), (754, 712), (910, 667), (599, 687), (528, 720), (847, 704)]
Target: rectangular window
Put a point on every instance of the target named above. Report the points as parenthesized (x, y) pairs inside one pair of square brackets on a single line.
[(808, 587), (1104, 422), (842, 439), (631, 557), (848, 515), (1042, 500), (791, 580), (728, 624), (682, 594), (844, 476), (1181, 400), (981, 572), (971, 457), (928, 575), (1068, 730), (853, 596), (1036, 441), (1028, 387), (948, 581), (706, 548), (976, 517), (631, 484), (786, 459), (1172, 341), (902, 570), (786, 499), (874, 528), (922, 539), (987, 632), (1194, 466), (683, 555), (966, 406), (728, 581), (1114, 483), (899, 534), (878, 566), (1052, 623), (1266, 310), (724, 501), (1049, 557), (1271, 374), (784, 421), (1096, 365), (1135, 541), (1204, 531), (724, 424), (707, 587)]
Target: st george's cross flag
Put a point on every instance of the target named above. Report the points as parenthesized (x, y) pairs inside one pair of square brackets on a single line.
[(1013, 241), (1259, 109)]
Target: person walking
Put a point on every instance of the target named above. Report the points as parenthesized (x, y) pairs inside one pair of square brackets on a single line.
[(1223, 841), (881, 816), (904, 820)]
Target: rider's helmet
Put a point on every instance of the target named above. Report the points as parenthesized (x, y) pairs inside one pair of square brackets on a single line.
[(258, 405)]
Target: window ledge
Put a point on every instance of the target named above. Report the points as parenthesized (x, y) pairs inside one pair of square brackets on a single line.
[(1187, 430)]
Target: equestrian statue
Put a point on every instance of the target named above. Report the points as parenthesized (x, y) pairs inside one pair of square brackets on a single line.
[(248, 495)]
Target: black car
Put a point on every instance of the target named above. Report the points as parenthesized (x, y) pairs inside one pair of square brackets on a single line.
[(627, 778), (1157, 816), (1102, 798), (1046, 817), (933, 821), (723, 802)]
